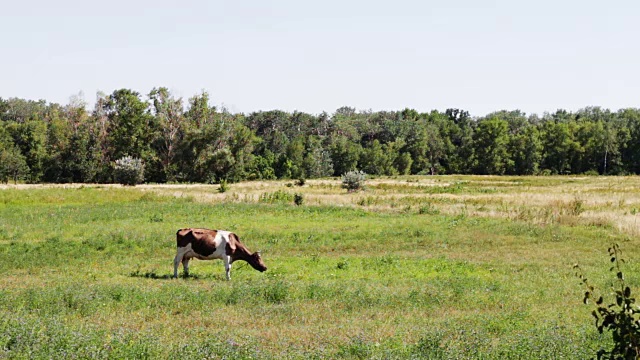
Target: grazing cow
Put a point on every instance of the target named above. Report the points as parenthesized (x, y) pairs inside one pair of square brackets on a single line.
[(205, 244)]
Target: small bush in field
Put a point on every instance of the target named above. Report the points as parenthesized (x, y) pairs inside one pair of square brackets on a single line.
[(301, 181), (224, 186), (278, 196), (354, 180), (298, 199), (576, 207), (128, 171), (621, 318)]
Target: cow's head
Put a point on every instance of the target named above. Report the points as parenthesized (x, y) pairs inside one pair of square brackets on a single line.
[(256, 262)]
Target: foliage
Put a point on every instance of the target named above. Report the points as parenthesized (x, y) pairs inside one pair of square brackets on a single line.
[(171, 121), (354, 180), (131, 127), (224, 186), (194, 141), (128, 171), (30, 138), (12, 165), (278, 196), (298, 199), (491, 141), (621, 317), (317, 161)]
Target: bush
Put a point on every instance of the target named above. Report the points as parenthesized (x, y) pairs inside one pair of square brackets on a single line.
[(354, 180), (298, 199), (13, 165), (223, 186), (301, 181), (619, 317), (128, 171), (278, 196)]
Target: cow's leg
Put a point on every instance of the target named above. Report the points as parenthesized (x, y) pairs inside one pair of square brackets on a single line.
[(185, 265), (176, 262), (227, 266)]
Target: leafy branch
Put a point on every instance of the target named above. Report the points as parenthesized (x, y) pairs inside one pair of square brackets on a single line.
[(619, 317)]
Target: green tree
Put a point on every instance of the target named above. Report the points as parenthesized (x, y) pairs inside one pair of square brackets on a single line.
[(82, 157), (290, 164), (131, 127), (630, 153), (13, 164), (262, 167), (59, 133), (21, 110), (221, 150), (379, 159), (242, 145), (525, 149), (403, 163), (4, 108), (559, 147), (274, 128), (490, 141), (426, 144), (30, 137), (460, 148), (200, 113), (344, 154), (98, 126), (205, 153), (417, 145), (317, 161), (606, 145), (171, 120)]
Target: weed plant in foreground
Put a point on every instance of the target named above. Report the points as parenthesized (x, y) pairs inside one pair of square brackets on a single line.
[(85, 272)]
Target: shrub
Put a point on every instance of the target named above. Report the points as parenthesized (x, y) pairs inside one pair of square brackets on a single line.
[(354, 180), (129, 171), (224, 186), (619, 317), (591, 173), (278, 196), (576, 207), (13, 165), (301, 181), (298, 199)]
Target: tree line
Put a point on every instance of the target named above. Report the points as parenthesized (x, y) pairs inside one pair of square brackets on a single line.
[(194, 141)]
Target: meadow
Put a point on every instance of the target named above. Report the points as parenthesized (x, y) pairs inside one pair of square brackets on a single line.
[(422, 267)]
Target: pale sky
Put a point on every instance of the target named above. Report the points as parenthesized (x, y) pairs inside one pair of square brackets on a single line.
[(316, 56)]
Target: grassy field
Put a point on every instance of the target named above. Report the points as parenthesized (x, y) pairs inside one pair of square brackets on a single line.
[(413, 267)]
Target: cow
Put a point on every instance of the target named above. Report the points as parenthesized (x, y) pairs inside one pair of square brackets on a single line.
[(205, 244)]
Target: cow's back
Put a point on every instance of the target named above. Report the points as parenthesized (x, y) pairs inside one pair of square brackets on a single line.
[(201, 243)]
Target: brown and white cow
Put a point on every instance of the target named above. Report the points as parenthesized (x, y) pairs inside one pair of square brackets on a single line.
[(205, 244)]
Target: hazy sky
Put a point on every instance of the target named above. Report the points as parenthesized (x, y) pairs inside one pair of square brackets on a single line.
[(316, 56)]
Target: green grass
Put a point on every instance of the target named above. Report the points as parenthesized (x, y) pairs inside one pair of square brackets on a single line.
[(85, 273)]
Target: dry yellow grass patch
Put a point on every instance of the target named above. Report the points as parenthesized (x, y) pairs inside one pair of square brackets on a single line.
[(595, 201)]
